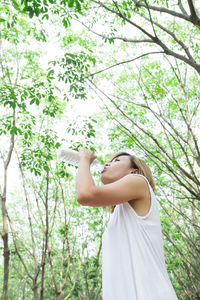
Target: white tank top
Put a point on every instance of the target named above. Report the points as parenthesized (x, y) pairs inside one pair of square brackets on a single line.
[(133, 263)]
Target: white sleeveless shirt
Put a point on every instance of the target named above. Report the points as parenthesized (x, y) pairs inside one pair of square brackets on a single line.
[(133, 263)]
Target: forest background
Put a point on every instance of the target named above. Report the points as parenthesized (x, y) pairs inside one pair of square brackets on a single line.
[(106, 75)]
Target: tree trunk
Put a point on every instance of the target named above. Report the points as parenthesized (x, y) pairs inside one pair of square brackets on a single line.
[(35, 292), (6, 252)]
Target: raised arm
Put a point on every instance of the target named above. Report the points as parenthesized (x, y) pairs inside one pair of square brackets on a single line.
[(127, 188)]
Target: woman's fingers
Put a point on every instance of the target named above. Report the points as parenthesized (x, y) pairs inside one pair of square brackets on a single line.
[(83, 152)]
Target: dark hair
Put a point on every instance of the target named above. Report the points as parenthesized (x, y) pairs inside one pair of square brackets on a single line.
[(133, 165)]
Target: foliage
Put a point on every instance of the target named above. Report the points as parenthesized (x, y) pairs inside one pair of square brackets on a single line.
[(41, 219)]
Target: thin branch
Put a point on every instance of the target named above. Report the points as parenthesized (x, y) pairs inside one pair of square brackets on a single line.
[(183, 115), (119, 14), (185, 48), (68, 243), (52, 268), (192, 10), (17, 73), (74, 283), (110, 38), (23, 277), (124, 62), (183, 233), (182, 8), (151, 20), (46, 235), (178, 210), (188, 264), (18, 252), (12, 143), (29, 217), (170, 12)]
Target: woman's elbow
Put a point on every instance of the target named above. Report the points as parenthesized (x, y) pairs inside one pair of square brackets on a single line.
[(86, 197), (82, 199)]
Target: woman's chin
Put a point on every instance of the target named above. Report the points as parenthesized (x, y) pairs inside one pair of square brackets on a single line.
[(105, 179)]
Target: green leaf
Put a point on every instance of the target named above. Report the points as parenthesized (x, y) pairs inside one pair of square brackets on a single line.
[(78, 6), (70, 3), (45, 16), (15, 4)]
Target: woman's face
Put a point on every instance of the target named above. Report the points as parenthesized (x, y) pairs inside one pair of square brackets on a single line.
[(116, 169)]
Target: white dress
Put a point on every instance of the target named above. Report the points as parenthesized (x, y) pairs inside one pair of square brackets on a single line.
[(133, 263)]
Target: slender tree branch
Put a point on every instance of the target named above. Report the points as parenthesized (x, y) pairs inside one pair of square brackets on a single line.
[(46, 235), (185, 48), (183, 233), (119, 14), (124, 62), (52, 268), (192, 10), (23, 277), (18, 252), (197, 150), (182, 8), (36, 266), (195, 21), (110, 38), (187, 265), (74, 283), (150, 18)]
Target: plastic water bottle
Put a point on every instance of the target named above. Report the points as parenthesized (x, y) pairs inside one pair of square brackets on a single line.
[(72, 157)]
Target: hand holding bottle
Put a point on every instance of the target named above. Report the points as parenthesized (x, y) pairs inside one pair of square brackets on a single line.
[(87, 154), (72, 157)]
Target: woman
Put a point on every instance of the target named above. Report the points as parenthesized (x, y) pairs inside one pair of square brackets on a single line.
[(132, 245)]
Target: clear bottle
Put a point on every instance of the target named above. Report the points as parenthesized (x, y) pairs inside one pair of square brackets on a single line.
[(72, 157)]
